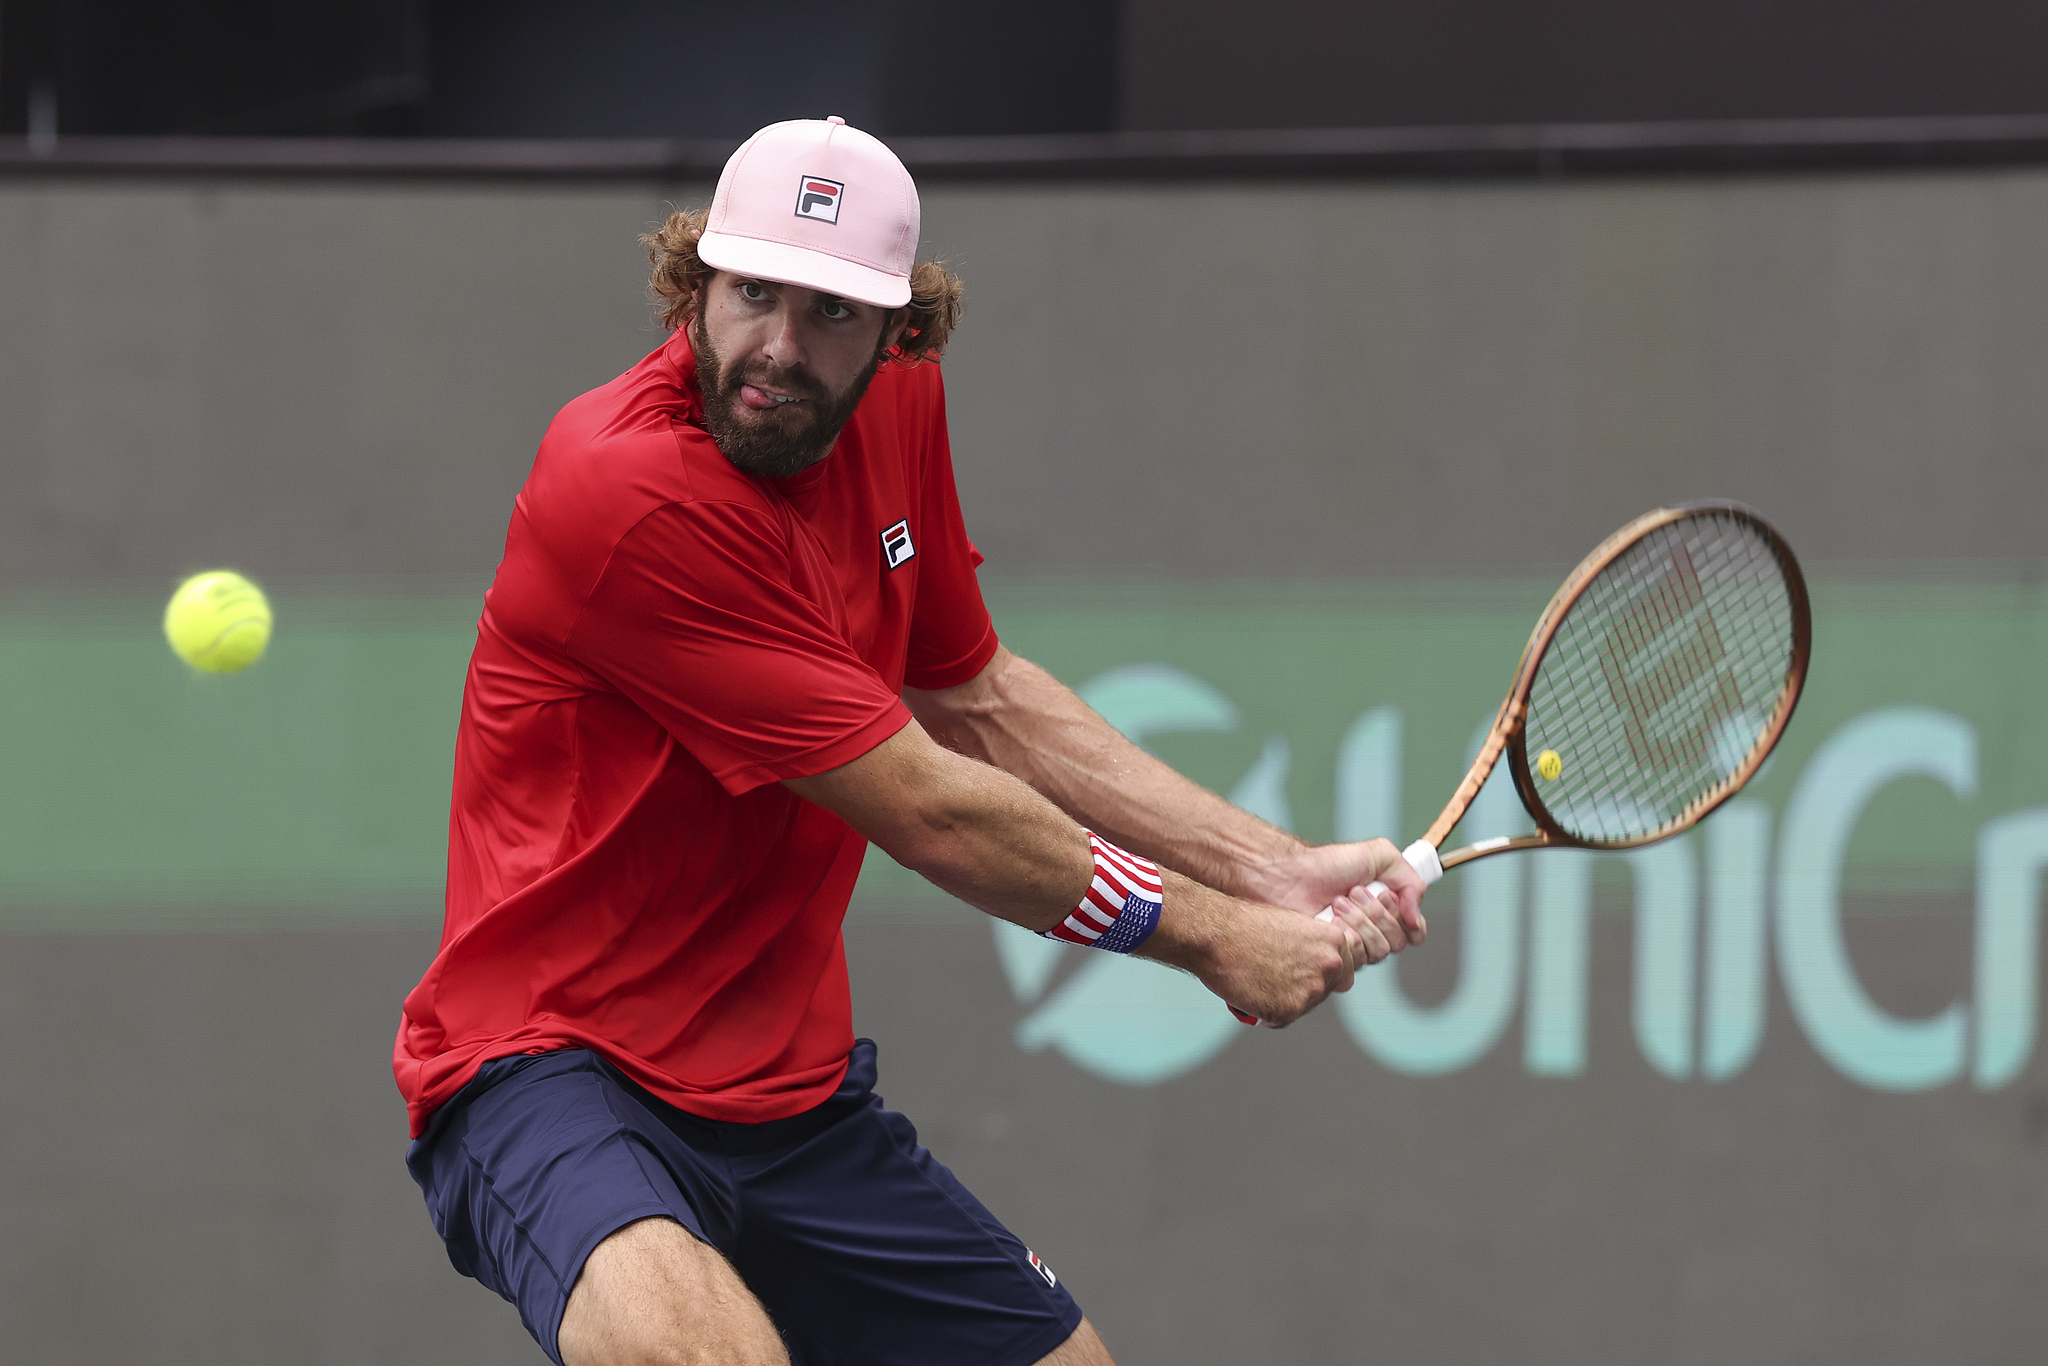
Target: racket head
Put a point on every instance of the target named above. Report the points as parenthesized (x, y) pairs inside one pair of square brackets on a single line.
[(1660, 677)]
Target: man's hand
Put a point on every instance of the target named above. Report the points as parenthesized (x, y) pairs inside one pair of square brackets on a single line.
[(1336, 875), (1272, 962)]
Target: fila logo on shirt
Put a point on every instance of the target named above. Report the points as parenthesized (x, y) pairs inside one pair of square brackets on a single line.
[(817, 197), (896, 546), (1041, 1268)]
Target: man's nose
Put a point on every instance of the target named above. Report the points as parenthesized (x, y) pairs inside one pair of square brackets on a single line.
[(785, 344)]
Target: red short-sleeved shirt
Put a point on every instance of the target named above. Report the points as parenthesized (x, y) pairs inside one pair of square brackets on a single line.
[(665, 640)]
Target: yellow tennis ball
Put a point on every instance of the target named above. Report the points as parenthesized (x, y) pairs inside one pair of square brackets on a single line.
[(1549, 764), (218, 621)]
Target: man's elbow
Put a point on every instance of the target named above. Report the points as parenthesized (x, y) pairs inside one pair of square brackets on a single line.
[(931, 810), (930, 835)]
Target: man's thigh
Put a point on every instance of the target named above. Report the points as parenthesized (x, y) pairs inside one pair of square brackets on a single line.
[(654, 1292), (1084, 1348)]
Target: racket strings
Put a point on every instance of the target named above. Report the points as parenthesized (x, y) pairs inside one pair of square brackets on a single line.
[(1663, 678)]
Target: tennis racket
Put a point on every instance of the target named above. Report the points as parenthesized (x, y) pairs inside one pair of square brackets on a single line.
[(1653, 687)]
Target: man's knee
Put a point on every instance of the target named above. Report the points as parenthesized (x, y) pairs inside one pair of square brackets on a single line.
[(652, 1294)]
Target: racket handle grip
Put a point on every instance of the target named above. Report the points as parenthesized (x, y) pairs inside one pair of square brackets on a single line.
[(1421, 856)]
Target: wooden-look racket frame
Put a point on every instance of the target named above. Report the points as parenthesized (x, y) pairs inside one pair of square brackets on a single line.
[(1509, 737)]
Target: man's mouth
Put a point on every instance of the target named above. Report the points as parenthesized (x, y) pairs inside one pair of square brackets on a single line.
[(763, 400)]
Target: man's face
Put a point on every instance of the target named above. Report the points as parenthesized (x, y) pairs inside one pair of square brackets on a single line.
[(782, 368)]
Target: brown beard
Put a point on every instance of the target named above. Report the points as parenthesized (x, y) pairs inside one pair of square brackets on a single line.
[(774, 444)]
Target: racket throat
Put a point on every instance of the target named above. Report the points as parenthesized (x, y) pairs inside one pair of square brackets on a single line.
[(1504, 729)]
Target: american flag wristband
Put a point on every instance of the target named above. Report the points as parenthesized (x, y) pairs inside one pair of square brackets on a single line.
[(1122, 906)]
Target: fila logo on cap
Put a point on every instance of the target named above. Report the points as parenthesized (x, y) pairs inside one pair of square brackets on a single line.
[(817, 197), (896, 546)]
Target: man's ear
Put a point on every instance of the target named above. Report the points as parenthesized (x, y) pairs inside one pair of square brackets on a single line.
[(893, 329)]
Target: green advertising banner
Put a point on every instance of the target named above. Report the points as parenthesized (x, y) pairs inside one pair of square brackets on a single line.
[(1914, 781)]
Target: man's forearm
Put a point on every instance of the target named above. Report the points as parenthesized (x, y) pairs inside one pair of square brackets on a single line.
[(1022, 720), (969, 828)]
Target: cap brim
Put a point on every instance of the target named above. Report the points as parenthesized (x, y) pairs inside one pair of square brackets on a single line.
[(793, 265)]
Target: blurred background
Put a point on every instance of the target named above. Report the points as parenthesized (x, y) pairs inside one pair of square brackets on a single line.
[(1306, 346)]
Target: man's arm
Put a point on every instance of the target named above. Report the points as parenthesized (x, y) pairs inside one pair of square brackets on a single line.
[(1021, 719), (992, 841)]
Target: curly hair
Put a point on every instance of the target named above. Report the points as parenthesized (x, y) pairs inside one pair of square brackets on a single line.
[(679, 273)]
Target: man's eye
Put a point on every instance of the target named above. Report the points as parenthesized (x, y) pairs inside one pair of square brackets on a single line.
[(752, 292), (835, 309)]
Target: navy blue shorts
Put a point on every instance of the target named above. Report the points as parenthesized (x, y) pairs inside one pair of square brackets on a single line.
[(863, 1248)]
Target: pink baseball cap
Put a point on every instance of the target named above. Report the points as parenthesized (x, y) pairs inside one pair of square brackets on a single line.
[(816, 203)]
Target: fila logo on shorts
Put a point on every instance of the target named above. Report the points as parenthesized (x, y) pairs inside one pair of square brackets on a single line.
[(817, 197), (896, 546), (1041, 1268)]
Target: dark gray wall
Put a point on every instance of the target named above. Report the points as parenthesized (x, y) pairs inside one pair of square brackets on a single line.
[(667, 68), (347, 380), (202, 1159), (1312, 64)]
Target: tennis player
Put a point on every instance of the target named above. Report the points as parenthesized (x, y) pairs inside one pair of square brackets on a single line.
[(736, 637)]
